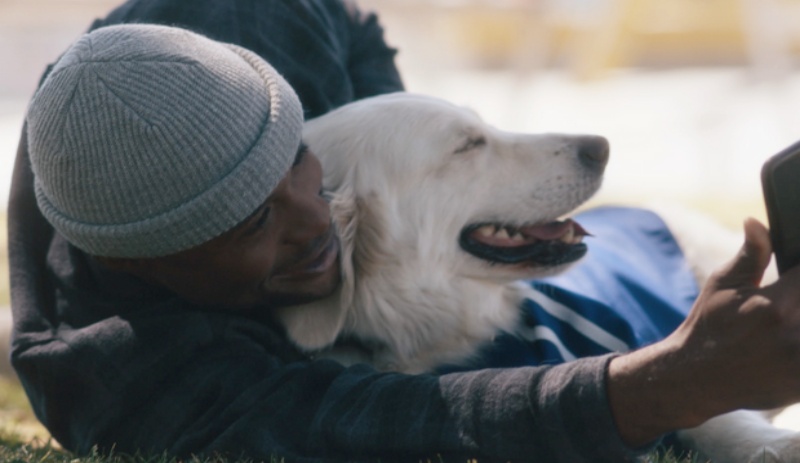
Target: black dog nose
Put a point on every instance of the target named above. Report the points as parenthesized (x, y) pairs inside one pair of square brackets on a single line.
[(593, 152)]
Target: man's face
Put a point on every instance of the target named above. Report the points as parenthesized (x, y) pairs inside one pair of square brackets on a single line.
[(285, 253)]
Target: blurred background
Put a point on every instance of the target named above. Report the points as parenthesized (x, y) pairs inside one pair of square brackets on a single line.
[(693, 94)]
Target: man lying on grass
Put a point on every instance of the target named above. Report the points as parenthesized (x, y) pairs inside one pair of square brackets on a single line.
[(163, 206)]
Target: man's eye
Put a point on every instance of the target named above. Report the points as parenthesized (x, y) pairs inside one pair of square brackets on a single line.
[(262, 219), (472, 143)]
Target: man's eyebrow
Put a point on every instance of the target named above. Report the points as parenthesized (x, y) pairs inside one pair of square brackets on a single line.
[(301, 151), (260, 214)]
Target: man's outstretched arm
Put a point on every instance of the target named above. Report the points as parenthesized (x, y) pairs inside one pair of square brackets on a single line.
[(738, 349)]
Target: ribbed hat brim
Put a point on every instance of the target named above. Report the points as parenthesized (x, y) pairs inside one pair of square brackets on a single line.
[(216, 207)]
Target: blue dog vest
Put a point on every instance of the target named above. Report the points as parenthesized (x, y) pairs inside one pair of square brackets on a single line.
[(632, 288)]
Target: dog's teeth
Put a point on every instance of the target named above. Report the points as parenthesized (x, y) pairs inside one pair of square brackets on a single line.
[(569, 236), (502, 234), (486, 230), (517, 237)]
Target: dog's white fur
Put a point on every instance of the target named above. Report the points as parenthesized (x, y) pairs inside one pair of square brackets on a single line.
[(407, 173), (400, 201)]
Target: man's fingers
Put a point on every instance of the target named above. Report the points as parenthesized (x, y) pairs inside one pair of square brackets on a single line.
[(747, 268), (757, 243)]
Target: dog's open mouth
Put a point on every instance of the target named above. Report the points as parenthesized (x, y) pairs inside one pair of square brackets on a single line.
[(548, 244)]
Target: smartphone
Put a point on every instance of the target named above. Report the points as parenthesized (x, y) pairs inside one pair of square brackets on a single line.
[(780, 180)]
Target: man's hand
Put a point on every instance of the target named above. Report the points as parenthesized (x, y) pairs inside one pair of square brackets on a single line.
[(738, 348)]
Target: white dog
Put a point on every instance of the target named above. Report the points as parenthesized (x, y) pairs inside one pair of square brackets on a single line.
[(439, 215)]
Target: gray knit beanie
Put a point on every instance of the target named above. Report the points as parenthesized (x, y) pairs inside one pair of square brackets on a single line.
[(149, 140)]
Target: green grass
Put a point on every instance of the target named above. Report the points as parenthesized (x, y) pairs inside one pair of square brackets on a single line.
[(17, 421), (667, 456), (12, 450)]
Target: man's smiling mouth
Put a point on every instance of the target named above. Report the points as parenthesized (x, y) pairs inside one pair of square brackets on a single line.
[(316, 262)]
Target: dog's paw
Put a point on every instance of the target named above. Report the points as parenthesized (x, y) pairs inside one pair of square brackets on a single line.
[(785, 449)]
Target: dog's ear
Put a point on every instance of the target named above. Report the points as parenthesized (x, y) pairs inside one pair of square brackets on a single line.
[(345, 215), (316, 325), (362, 231)]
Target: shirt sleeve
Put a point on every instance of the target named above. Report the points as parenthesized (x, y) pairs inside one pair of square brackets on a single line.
[(371, 62), (203, 384), (329, 52)]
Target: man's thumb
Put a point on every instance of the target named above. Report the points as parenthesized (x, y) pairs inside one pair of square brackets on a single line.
[(747, 268)]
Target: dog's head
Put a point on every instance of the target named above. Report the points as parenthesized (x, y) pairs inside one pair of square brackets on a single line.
[(417, 175), (425, 195)]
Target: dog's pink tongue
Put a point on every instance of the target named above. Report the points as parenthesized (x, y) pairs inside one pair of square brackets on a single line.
[(553, 230)]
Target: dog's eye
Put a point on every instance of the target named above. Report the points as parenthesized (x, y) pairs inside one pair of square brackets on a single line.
[(472, 143)]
